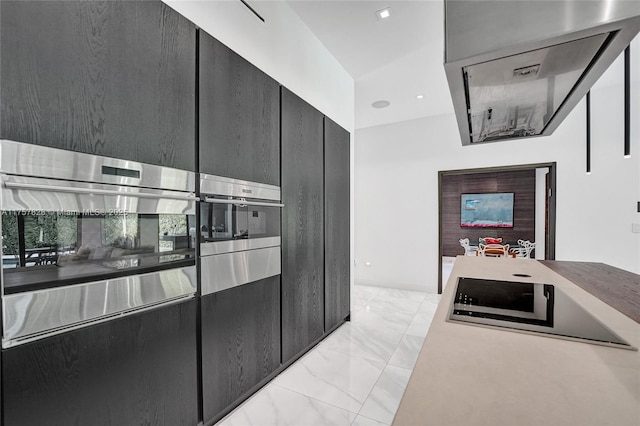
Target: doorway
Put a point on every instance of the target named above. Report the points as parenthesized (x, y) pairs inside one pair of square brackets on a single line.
[(532, 184)]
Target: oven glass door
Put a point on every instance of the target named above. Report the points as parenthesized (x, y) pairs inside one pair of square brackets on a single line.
[(45, 249), (263, 221), (230, 220), (223, 222)]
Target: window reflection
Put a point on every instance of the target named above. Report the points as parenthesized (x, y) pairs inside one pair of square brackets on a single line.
[(226, 222), (74, 245), (34, 239)]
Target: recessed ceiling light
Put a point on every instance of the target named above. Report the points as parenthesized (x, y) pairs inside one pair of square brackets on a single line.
[(383, 13), (381, 104), (420, 96)]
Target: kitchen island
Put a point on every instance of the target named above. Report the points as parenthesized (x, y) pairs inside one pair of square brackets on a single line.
[(474, 375)]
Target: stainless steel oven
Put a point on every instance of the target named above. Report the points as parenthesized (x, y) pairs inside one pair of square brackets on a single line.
[(87, 238), (239, 232)]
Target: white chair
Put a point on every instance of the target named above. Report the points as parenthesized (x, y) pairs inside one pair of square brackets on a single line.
[(525, 249), (468, 250)]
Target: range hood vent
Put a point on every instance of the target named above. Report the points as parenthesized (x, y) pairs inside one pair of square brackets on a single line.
[(517, 68)]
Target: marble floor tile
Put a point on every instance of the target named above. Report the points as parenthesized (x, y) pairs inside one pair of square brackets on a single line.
[(398, 323), (419, 325), (336, 378), (275, 405), (395, 314), (392, 293), (364, 421), (392, 305), (356, 339), (406, 353), (356, 308), (427, 309), (364, 293), (385, 397), (433, 298)]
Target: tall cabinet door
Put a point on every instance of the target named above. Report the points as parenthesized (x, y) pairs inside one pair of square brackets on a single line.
[(302, 225), (240, 343), (239, 116), (139, 369), (337, 267), (112, 78)]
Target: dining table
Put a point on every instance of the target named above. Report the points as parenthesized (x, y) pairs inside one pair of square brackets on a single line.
[(514, 248), (39, 254)]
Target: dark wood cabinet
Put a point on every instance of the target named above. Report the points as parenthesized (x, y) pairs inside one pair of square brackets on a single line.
[(112, 78), (240, 343), (302, 225), (337, 264), (239, 116), (137, 370)]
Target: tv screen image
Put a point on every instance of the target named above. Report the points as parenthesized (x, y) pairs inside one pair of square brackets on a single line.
[(493, 210)]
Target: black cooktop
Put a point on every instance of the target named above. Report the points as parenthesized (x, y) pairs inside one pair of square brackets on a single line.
[(529, 307)]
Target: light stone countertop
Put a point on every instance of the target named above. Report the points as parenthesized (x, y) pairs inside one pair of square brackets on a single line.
[(470, 375)]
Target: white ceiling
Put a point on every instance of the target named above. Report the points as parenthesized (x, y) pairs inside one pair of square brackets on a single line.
[(394, 59)]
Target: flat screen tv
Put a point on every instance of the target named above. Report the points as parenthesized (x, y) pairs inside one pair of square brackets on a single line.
[(494, 210)]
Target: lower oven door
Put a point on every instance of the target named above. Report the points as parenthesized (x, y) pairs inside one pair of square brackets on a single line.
[(223, 271), (75, 253), (33, 315)]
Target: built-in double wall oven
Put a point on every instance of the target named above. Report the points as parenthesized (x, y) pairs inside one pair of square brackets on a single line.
[(239, 232), (88, 238)]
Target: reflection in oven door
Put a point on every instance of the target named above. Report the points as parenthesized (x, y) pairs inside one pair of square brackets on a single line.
[(221, 221), (76, 251), (52, 249)]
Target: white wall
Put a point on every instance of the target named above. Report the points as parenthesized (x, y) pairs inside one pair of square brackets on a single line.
[(396, 197), (282, 46)]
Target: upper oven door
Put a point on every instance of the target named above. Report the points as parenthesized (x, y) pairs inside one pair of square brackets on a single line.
[(58, 233), (85, 238), (230, 224)]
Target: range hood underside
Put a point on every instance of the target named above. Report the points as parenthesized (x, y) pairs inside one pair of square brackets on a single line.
[(527, 89), (518, 95)]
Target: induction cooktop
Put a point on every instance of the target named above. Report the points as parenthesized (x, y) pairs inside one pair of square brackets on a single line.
[(528, 307)]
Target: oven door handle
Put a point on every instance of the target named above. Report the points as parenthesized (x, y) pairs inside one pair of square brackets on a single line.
[(75, 190), (242, 202), (260, 203)]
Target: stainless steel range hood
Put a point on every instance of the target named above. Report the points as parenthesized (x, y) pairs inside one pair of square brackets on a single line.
[(516, 68)]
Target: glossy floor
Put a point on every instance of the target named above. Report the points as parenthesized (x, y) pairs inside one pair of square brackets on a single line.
[(357, 375)]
